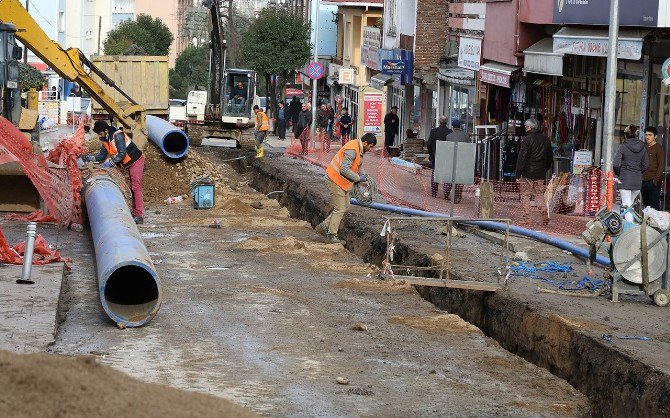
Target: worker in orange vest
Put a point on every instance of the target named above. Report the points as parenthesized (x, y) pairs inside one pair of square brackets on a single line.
[(262, 128), (344, 170), (118, 149)]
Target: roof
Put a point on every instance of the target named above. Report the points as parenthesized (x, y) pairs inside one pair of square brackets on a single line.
[(355, 3)]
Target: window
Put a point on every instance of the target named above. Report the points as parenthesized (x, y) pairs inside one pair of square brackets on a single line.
[(393, 11), (347, 41), (89, 34)]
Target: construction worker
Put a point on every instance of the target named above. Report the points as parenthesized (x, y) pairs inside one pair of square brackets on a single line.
[(118, 149), (344, 170), (262, 128)]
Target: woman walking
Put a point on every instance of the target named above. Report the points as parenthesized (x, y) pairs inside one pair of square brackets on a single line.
[(630, 161)]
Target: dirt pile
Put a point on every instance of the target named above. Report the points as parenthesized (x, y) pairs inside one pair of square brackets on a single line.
[(50, 386)]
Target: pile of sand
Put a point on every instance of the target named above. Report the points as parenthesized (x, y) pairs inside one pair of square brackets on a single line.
[(438, 323), (49, 386)]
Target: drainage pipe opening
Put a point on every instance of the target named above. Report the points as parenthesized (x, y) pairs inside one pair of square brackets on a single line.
[(131, 295)]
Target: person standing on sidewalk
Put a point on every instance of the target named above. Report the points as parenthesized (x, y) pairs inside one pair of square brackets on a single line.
[(295, 108), (535, 158), (652, 178), (322, 127), (344, 170), (391, 126), (301, 128), (345, 125), (436, 134), (262, 127), (282, 120), (118, 149), (630, 161)]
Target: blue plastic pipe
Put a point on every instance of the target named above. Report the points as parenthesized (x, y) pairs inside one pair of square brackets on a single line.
[(499, 226), (172, 141), (128, 285)]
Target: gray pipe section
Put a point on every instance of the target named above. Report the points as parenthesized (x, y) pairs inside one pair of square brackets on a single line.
[(171, 140), (129, 288), (26, 272)]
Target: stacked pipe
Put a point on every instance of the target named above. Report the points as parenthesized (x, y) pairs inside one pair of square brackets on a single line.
[(128, 285), (171, 140)]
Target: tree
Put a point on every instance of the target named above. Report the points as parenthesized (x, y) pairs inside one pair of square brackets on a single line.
[(276, 43), (30, 77), (145, 34), (191, 71)]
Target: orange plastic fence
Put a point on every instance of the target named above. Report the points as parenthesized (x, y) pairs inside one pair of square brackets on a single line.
[(571, 200)]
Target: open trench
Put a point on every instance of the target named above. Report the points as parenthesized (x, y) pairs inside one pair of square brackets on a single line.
[(616, 384)]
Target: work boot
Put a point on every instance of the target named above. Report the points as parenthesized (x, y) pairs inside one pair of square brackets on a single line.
[(321, 229), (332, 238), (138, 220)]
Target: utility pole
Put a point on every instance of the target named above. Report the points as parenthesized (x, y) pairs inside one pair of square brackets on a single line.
[(25, 49), (99, 32), (610, 99), (315, 23)]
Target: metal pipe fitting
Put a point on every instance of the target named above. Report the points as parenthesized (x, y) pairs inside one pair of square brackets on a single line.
[(172, 141), (26, 273), (129, 287)]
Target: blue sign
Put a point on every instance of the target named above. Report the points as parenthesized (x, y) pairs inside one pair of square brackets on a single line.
[(393, 66), (406, 76), (597, 12), (315, 70)]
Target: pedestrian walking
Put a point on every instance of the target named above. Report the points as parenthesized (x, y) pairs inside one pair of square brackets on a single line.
[(436, 134), (652, 178), (345, 125), (262, 125), (118, 149), (302, 126), (630, 161), (322, 127), (391, 126), (282, 119), (331, 122), (344, 170), (295, 108), (458, 135), (535, 158)]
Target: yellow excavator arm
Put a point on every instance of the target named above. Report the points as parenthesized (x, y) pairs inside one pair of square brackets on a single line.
[(72, 65)]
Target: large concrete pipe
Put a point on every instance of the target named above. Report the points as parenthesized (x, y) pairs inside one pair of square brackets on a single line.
[(129, 288), (172, 141)]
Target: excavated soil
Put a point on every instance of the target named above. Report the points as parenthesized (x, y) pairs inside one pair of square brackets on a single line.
[(40, 385)]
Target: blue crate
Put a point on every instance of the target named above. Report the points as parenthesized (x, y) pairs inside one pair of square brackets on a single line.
[(203, 196)]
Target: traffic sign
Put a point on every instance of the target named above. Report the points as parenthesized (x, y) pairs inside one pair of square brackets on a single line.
[(315, 70)]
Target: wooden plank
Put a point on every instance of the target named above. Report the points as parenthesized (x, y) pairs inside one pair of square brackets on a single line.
[(454, 284), (486, 200)]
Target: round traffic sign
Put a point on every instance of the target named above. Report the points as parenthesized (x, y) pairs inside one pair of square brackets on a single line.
[(315, 70)]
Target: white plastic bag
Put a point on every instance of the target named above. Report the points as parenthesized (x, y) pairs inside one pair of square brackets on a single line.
[(657, 219)]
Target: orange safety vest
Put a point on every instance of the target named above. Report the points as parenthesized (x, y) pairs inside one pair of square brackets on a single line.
[(263, 124), (333, 169), (110, 146)]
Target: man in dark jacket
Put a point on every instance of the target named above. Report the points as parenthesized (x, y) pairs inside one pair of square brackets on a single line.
[(301, 128), (458, 135), (436, 134), (295, 109), (653, 175), (391, 126), (535, 158)]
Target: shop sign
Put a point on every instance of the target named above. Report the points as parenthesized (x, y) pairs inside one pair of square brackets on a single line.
[(369, 56), (470, 53), (581, 160), (597, 12), (593, 192), (597, 47), (346, 76), (292, 91), (492, 77), (372, 112), (393, 66)]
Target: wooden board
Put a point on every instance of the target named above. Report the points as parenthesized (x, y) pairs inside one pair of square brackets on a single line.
[(454, 284), (486, 200)]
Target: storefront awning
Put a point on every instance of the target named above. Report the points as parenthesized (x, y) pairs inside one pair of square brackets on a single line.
[(541, 59), (497, 73), (379, 81), (459, 76), (594, 42)]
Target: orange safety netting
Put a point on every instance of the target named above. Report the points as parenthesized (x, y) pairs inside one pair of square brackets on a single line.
[(42, 255), (58, 179), (571, 199)]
